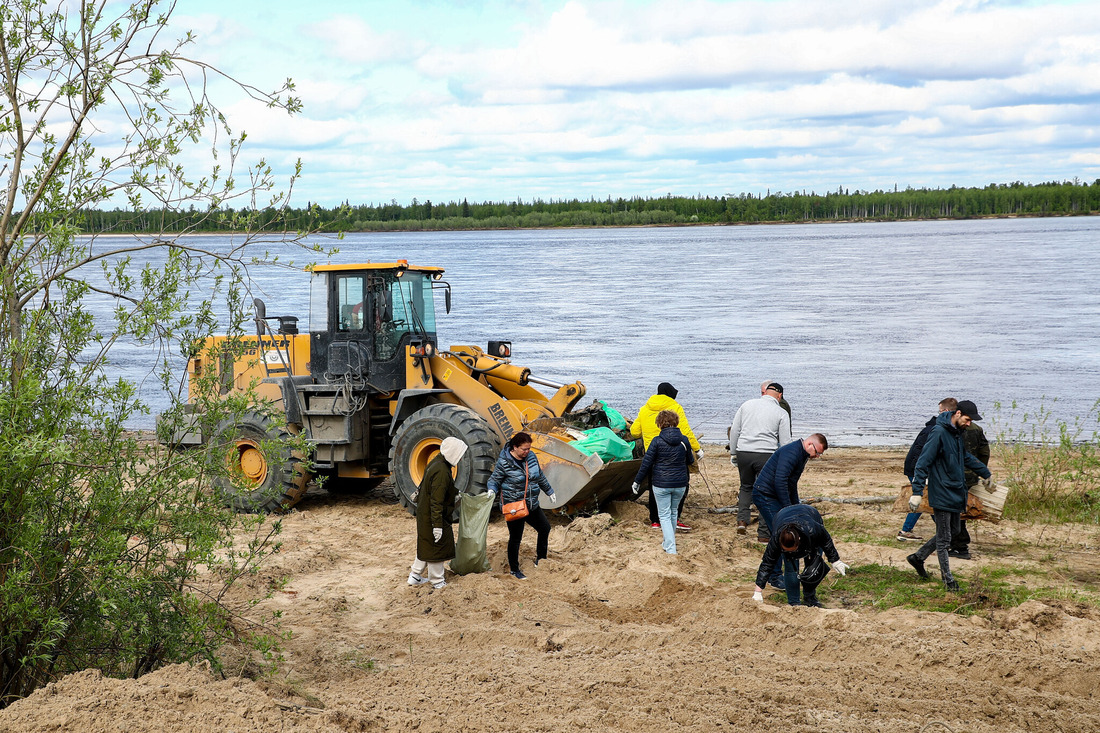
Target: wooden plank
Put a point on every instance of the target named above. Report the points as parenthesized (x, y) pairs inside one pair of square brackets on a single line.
[(980, 504)]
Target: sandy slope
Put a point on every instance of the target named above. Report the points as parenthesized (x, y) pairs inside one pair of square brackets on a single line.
[(610, 633)]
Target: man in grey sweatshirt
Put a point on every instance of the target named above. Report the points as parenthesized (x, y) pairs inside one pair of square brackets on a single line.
[(760, 427)]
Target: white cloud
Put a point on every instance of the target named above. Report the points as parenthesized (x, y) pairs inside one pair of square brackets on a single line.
[(621, 97), (351, 39)]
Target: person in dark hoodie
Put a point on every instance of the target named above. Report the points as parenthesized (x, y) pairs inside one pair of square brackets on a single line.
[(799, 534), (906, 534), (942, 464), (777, 485), (666, 463)]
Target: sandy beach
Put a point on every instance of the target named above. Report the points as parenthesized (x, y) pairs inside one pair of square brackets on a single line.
[(612, 634)]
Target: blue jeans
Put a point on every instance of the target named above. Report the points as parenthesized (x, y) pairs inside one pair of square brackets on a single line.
[(910, 521), (769, 506), (668, 501)]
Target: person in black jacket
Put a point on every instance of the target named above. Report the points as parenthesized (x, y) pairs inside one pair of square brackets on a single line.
[(777, 485), (666, 463), (977, 445), (906, 534), (799, 534)]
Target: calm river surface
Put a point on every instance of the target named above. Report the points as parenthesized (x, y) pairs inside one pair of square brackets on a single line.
[(867, 326)]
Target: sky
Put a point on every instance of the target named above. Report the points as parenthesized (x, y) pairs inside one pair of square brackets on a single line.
[(494, 101)]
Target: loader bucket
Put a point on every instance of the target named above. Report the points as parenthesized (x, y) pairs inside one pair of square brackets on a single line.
[(581, 482)]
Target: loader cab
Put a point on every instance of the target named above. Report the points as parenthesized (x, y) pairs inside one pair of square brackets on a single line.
[(362, 318)]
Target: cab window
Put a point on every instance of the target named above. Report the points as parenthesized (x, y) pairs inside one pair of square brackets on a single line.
[(350, 306)]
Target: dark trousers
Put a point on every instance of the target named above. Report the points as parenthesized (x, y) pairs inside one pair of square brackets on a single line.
[(961, 542), (749, 466), (768, 507), (947, 523), (541, 524), (790, 577), (653, 518)]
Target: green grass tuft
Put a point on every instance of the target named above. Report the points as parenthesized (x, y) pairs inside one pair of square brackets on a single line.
[(881, 587)]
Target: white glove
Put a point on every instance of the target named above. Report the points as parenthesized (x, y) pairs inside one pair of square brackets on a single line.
[(699, 454), (437, 533), (552, 497), (987, 483), (914, 502), (492, 495), (636, 488), (840, 567), (758, 595)]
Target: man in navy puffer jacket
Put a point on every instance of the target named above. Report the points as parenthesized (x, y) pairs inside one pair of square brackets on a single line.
[(777, 485), (666, 461)]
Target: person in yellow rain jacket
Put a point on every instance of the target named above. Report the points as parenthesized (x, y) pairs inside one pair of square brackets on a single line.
[(645, 427)]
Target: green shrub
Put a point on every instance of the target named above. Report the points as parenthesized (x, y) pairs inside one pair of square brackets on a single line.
[(1053, 466)]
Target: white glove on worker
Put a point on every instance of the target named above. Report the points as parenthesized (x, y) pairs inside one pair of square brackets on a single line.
[(552, 497), (636, 488), (987, 483), (492, 495), (699, 454), (914, 502), (840, 567), (437, 533), (758, 594)]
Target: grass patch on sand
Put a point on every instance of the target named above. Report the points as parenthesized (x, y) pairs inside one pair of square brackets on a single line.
[(880, 587), (846, 528)]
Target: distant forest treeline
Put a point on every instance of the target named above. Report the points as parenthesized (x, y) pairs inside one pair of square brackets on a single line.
[(1011, 199)]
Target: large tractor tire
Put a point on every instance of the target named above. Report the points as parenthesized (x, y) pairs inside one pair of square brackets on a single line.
[(261, 477), (418, 439)]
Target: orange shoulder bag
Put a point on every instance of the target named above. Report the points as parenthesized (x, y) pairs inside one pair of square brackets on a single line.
[(517, 509)]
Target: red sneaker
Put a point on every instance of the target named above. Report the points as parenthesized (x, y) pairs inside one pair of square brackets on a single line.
[(682, 527), (656, 525)]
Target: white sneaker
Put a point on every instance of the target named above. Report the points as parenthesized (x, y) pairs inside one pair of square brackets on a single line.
[(415, 579), (440, 584)]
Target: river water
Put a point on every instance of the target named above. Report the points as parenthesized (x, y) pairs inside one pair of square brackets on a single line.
[(867, 326)]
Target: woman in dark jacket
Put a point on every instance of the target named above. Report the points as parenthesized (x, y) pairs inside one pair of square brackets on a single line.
[(799, 534), (518, 476), (435, 540), (666, 463)]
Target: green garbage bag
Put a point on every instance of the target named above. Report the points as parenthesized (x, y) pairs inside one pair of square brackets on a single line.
[(471, 555), (615, 419), (604, 443)]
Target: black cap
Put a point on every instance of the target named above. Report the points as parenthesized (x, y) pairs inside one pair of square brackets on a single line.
[(667, 390), (776, 386), (969, 409)]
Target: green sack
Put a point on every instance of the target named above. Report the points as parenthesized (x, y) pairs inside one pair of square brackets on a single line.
[(604, 443), (471, 555), (615, 419)]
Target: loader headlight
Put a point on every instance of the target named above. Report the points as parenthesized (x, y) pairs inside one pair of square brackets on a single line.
[(500, 349)]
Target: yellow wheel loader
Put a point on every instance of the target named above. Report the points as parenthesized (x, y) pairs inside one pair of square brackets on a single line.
[(374, 396)]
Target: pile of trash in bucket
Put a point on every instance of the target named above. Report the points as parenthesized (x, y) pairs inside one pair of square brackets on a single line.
[(605, 437)]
